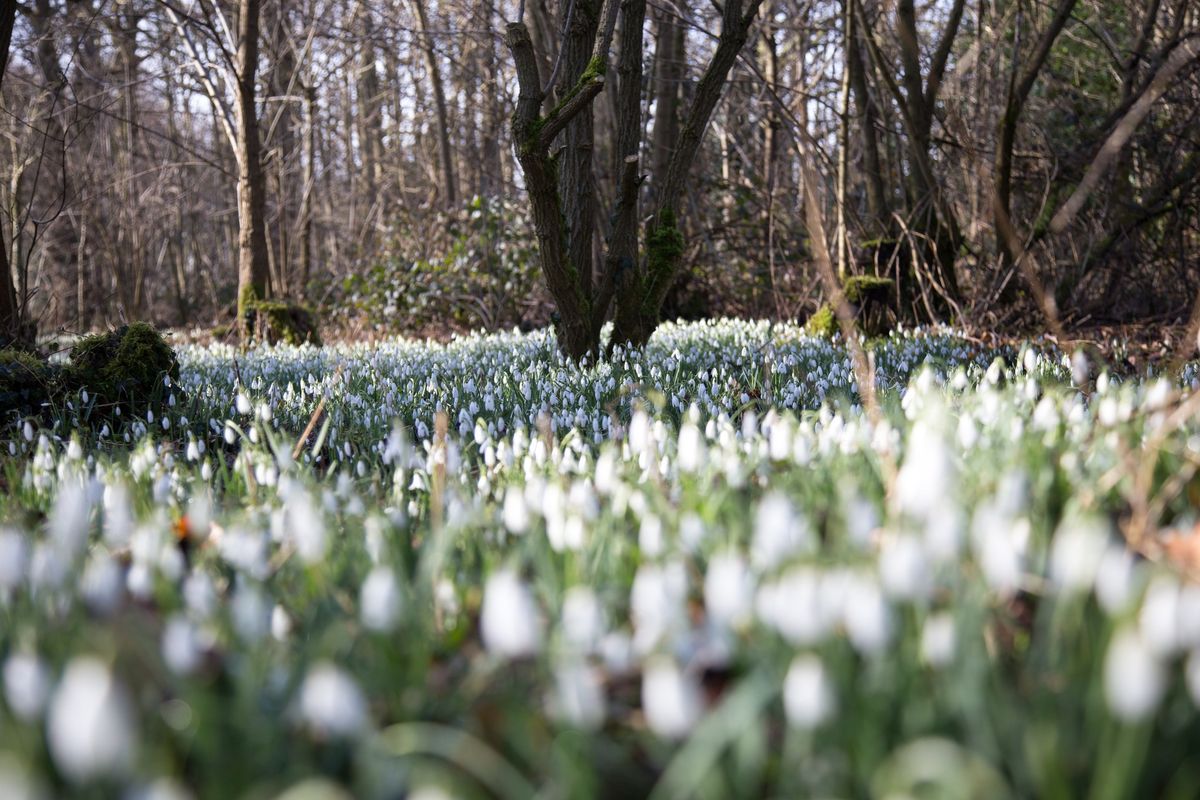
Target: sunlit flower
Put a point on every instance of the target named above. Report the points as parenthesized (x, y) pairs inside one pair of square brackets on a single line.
[(1134, 679), (26, 684), (579, 695), (331, 703), (510, 620), (380, 600), (938, 639), (90, 725), (582, 619), (671, 698), (808, 693), (728, 589)]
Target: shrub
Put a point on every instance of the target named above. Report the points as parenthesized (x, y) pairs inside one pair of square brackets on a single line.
[(456, 272)]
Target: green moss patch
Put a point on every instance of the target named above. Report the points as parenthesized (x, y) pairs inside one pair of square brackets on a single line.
[(275, 321), (864, 288), (122, 367), (823, 322)]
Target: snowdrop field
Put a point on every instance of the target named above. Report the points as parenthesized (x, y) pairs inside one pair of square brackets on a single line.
[(709, 569)]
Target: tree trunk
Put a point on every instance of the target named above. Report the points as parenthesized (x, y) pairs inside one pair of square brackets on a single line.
[(310, 156), (449, 180), (640, 302), (11, 328), (252, 233), (877, 205), (1018, 92), (668, 80)]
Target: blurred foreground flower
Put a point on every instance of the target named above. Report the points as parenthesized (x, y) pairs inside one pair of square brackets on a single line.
[(90, 725)]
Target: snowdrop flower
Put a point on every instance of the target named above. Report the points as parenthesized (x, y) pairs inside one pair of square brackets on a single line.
[(26, 684), (938, 639), (90, 725), (926, 477), (1076, 552), (331, 703), (791, 605), (516, 512), (579, 695), (510, 620), (199, 595), (778, 532), (281, 624), (102, 583), (656, 603), (861, 520), (47, 567), (1158, 622), (251, 614), (728, 589), (181, 648), (1115, 579), (307, 528), (866, 616), (68, 525), (245, 550), (14, 556), (242, 403), (671, 698), (380, 600), (903, 568), (650, 536), (161, 789), (1134, 679), (998, 539), (808, 693), (445, 598), (639, 432), (691, 451), (1191, 675), (616, 651), (1080, 368), (582, 619), (1188, 611)]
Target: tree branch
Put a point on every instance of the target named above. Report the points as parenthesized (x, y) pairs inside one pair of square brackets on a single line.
[(1182, 56)]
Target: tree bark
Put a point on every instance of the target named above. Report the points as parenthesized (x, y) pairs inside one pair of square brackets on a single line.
[(664, 242), (1019, 88), (445, 151), (253, 268), (11, 328)]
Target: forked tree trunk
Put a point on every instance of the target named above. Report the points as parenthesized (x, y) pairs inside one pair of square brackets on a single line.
[(631, 285)]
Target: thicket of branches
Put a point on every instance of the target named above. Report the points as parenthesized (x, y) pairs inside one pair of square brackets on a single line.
[(995, 158)]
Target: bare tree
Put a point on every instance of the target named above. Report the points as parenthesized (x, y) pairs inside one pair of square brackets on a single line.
[(635, 285)]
